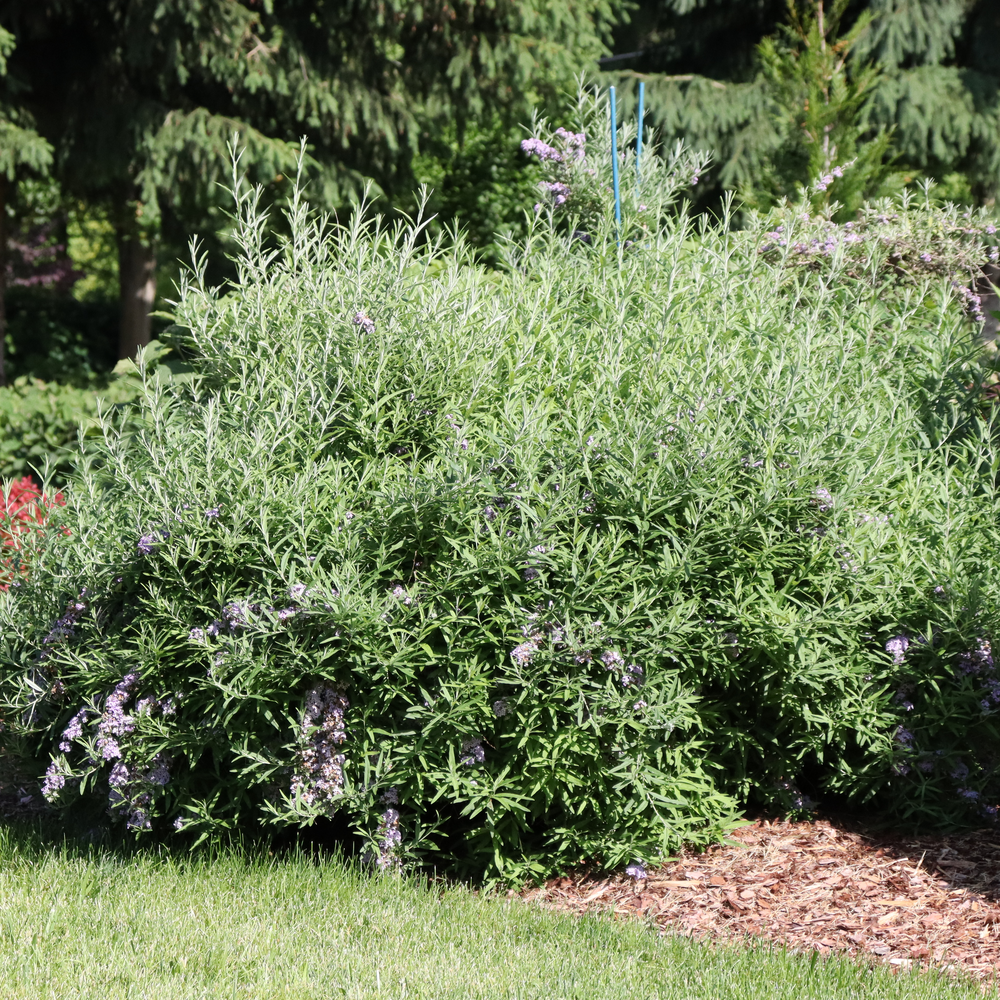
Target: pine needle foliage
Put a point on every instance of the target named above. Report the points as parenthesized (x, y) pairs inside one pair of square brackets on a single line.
[(505, 571), (709, 72)]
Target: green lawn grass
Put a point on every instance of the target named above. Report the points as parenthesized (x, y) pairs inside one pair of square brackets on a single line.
[(95, 924)]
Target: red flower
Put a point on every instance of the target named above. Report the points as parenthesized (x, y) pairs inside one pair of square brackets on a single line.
[(22, 508)]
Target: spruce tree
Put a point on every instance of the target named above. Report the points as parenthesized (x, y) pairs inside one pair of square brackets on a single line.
[(937, 91), (22, 150), (140, 98)]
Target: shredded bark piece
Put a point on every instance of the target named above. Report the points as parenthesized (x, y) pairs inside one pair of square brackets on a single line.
[(824, 886)]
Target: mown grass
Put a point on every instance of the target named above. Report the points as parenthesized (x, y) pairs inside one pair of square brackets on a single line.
[(91, 923)]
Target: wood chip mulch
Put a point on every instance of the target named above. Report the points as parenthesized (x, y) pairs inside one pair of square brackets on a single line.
[(933, 901)]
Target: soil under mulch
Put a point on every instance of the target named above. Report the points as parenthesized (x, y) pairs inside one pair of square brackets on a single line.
[(929, 900)]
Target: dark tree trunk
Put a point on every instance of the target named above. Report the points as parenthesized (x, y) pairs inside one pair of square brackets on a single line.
[(3, 279), (137, 281)]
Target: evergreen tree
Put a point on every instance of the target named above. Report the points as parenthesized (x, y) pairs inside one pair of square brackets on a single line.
[(140, 98), (710, 78), (21, 149)]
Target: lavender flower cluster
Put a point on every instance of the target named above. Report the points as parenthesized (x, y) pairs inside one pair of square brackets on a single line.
[(319, 778), (822, 183), (64, 627), (567, 157), (115, 722), (976, 662), (132, 785), (131, 790), (363, 322), (390, 837), (957, 247), (472, 752)]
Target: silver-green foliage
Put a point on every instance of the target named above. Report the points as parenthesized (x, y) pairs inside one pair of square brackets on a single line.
[(505, 571)]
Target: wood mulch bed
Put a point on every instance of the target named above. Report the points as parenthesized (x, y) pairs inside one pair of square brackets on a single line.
[(829, 887)]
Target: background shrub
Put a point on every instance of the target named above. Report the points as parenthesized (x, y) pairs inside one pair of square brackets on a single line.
[(41, 423), (505, 571)]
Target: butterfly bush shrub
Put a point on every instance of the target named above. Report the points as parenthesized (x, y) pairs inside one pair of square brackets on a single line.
[(505, 571), (576, 192)]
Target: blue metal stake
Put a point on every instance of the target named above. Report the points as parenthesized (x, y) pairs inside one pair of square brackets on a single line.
[(638, 142), (614, 162)]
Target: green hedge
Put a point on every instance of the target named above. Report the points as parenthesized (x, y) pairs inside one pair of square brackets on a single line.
[(40, 423)]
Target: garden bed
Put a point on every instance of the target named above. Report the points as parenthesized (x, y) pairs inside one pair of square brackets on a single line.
[(822, 886)]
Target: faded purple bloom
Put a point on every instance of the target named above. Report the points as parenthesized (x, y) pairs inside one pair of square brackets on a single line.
[(138, 819), (501, 707), (179, 823), (612, 660), (822, 499), (523, 654), (896, 647), (390, 838), (65, 627), (159, 773), (119, 776), (212, 513), (531, 574), (399, 592), (903, 736), (297, 591), (472, 753), (977, 660), (285, 613), (236, 614), (968, 793), (633, 676), (636, 870), (490, 514), (319, 779), (927, 766), (960, 771), (197, 634), (363, 322)]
